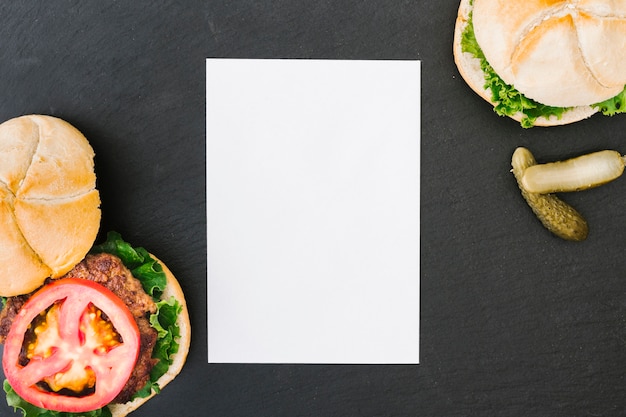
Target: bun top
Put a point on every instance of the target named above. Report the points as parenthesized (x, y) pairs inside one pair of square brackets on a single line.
[(558, 52), (49, 204)]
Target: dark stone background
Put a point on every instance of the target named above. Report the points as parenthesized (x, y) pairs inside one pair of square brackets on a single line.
[(513, 320)]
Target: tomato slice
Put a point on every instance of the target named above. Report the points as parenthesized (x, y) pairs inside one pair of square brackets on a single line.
[(72, 347)]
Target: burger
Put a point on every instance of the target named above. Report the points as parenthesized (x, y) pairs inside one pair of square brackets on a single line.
[(92, 330), (544, 63)]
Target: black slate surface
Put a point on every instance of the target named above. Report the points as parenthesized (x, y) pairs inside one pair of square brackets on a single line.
[(513, 320)]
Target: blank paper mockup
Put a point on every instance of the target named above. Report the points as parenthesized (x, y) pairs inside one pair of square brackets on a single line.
[(313, 199)]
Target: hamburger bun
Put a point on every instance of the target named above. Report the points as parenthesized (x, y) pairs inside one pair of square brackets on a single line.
[(49, 204), (172, 288), (559, 53)]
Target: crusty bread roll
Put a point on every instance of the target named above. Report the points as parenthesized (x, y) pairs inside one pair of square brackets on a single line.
[(470, 70), (49, 204), (560, 53), (172, 289)]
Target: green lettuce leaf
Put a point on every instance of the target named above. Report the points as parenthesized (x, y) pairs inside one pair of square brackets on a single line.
[(138, 260), (29, 410), (508, 101), (613, 105), (164, 321), (169, 333)]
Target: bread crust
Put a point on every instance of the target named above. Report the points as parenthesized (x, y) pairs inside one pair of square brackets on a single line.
[(16, 257), (557, 52), (49, 201), (63, 163), (77, 217), (174, 289), (470, 70)]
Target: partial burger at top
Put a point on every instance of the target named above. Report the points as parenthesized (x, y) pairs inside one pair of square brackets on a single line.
[(547, 62)]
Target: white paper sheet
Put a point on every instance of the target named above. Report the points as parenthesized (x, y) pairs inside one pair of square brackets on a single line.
[(313, 211)]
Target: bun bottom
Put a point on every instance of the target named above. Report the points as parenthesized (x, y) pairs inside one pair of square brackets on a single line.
[(470, 70), (172, 289)]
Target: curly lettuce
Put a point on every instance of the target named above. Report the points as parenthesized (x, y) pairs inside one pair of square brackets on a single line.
[(143, 267), (509, 101), (29, 410), (613, 105), (164, 321)]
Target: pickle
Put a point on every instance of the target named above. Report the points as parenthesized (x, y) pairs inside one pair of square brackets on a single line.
[(575, 174), (556, 215)]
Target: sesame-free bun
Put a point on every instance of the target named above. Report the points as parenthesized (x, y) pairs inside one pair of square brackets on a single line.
[(174, 289), (49, 204), (469, 68), (560, 53)]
